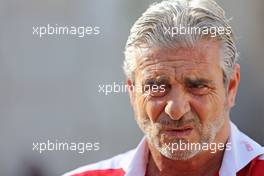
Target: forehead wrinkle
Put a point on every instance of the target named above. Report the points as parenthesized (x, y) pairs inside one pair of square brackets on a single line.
[(173, 69), (153, 72), (182, 61), (180, 58)]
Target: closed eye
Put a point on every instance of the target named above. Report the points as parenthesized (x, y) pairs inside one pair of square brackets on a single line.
[(199, 89), (158, 87), (198, 86)]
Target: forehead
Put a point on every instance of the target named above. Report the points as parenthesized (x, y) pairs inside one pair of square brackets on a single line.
[(203, 60)]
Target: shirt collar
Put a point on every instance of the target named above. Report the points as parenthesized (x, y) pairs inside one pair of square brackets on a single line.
[(243, 150), (137, 165)]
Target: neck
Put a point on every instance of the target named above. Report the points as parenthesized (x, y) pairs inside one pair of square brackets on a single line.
[(205, 163)]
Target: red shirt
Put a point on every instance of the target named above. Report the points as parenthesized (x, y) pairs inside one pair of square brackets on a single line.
[(245, 158)]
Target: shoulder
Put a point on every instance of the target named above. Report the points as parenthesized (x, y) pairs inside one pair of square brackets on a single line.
[(114, 166), (254, 168), (258, 166)]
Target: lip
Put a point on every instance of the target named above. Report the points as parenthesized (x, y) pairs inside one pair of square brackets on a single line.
[(178, 132)]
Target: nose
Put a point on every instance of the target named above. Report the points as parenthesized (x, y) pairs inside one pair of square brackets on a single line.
[(177, 104)]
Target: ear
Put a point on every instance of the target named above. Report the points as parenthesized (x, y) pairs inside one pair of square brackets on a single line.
[(131, 91), (233, 85)]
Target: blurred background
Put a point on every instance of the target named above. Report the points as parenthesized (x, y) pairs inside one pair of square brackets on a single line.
[(49, 85)]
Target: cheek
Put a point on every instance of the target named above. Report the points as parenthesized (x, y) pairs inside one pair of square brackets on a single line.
[(208, 109), (154, 109)]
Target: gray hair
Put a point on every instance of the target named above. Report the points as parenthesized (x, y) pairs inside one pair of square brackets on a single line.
[(200, 14)]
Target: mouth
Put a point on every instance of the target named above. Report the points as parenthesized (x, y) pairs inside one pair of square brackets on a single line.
[(178, 132)]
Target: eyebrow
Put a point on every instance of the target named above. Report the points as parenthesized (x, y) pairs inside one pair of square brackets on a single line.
[(156, 80), (197, 81), (164, 80)]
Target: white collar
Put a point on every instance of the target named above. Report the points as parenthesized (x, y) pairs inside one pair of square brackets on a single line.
[(243, 150), (137, 165)]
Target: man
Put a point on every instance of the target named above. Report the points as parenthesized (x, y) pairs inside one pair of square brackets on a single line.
[(180, 63)]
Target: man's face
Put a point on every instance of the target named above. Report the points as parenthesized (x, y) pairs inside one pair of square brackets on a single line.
[(191, 104)]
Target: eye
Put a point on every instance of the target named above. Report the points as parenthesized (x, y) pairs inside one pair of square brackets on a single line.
[(199, 86), (156, 90), (199, 89)]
